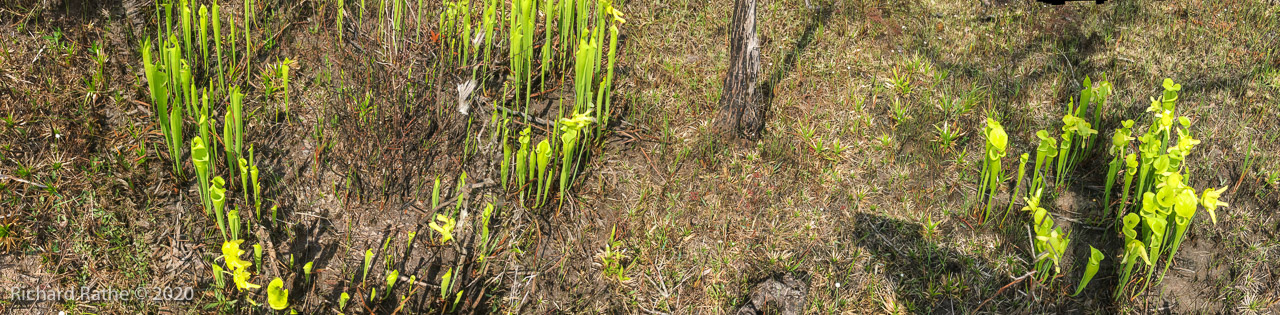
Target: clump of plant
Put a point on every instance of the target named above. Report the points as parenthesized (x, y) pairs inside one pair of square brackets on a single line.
[(488, 20), (1049, 243), (521, 31), (1075, 134), (1119, 144), (446, 285), (535, 163), (571, 132), (1168, 202), (997, 142), (1046, 151), (584, 73), (606, 84), (163, 80), (612, 259), (99, 57), (1077, 129), (342, 12), (275, 81), (486, 242)]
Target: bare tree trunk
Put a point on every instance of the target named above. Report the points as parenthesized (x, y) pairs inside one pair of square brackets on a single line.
[(739, 113)]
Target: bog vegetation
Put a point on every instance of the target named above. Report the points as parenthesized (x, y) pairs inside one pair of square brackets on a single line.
[(189, 85), (1152, 225), (559, 156)]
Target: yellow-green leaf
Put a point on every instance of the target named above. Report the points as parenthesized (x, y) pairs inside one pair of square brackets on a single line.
[(277, 295)]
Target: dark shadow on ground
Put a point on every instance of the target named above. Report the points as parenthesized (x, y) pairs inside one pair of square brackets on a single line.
[(931, 278), (819, 16)]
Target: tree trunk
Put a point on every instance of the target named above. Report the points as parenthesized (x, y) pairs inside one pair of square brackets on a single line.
[(739, 114)]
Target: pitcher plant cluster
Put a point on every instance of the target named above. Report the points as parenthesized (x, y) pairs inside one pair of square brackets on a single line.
[(191, 73), (1154, 170), (1156, 222), (545, 155)]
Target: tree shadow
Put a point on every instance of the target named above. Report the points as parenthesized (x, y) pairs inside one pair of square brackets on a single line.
[(765, 96), (920, 268), (929, 277)]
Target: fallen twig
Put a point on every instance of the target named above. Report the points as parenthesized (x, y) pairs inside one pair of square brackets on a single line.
[(3, 176)]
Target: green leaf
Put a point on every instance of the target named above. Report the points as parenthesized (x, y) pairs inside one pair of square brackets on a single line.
[(544, 157), (233, 222), (277, 296), (446, 230), (1185, 204), (257, 254), (391, 280), (997, 140), (231, 254), (217, 276), (368, 261), (435, 194), (1048, 145), (462, 183), (1211, 203), (1131, 221), (217, 194), (444, 283), (1095, 258)]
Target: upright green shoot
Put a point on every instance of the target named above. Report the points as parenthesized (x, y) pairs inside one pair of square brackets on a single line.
[(218, 197), (997, 141), (204, 36), (1022, 167), (233, 128), (342, 12), (1090, 269), (200, 159), (1119, 144), (161, 83), (1046, 151)]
